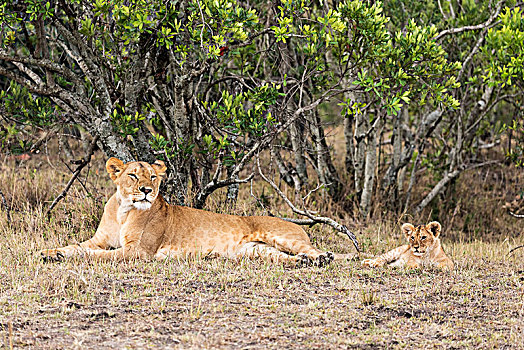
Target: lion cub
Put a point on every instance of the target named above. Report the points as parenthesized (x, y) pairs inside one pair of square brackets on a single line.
[(424, 249)]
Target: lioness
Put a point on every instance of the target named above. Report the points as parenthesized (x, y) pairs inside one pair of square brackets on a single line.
[(139, 223), (424, 249)]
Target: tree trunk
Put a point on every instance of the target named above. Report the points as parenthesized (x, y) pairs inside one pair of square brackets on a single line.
[(348, 138), (389, 184), (359, 158), (326, 170), (179, 163), (296, 132), (369, 172), (295, 129)]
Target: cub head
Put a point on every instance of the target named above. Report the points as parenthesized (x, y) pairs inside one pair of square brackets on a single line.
[(137, 182), (421, 237)]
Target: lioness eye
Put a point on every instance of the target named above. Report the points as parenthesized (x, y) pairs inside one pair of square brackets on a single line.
[(153, 177), (133, 176), (412, 238), (423, 237)]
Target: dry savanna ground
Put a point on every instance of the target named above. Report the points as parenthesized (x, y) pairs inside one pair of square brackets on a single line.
[(219, 303)]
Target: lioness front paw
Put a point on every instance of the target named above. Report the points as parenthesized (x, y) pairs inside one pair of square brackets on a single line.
[(52, 255), (324, 259), (371, 263)]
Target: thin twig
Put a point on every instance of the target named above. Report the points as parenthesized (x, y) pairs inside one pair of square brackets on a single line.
[(519, 216), (81, 164), (259, 201), (321, 186), (513, 249)]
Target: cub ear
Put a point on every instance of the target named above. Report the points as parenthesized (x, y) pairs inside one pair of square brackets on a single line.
[(114, 167), (160, 168), (434, 227), (407, 229)]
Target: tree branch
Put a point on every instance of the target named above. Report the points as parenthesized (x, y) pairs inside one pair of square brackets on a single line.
[(215, 184), (486, 24), (445, 180)]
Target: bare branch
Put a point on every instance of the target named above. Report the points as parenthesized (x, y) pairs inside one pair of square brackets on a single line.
[(364, 135), (315, 190), (28, 84), (485, 110), (472, 53), (215, 184), (486, 24), (42, 62), (446, 179)]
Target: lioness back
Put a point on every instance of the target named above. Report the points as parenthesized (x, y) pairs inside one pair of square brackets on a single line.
[(223, 233)]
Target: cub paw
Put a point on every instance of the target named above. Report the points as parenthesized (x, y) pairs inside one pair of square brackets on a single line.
[(303, 260), (324, 259), (51, 255)]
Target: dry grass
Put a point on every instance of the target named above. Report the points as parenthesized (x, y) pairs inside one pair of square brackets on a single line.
[(223, 303)]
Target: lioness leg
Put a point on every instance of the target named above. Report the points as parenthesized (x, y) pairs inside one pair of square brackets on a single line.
[(118, 254), (298, 244), (57, 254), (266, 252), (249, 250)]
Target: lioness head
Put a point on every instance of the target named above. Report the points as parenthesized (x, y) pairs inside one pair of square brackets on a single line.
[(137, 182), (421, 237)]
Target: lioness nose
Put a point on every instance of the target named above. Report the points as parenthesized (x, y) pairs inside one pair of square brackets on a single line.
[(146, 190)]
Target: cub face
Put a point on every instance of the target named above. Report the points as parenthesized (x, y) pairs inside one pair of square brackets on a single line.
[(137, 182), (421, 237)]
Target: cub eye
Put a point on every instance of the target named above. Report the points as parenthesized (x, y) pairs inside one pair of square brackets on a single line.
[(153, 177), (133, 176), (412, 238), (424, 237)]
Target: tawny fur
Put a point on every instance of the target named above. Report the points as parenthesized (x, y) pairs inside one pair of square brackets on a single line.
[(424, 250), (139, 223)]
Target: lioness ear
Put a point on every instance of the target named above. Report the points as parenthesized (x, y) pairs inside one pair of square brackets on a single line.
[(407, 229), (114, 167), (435, 228), (160, 168)]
